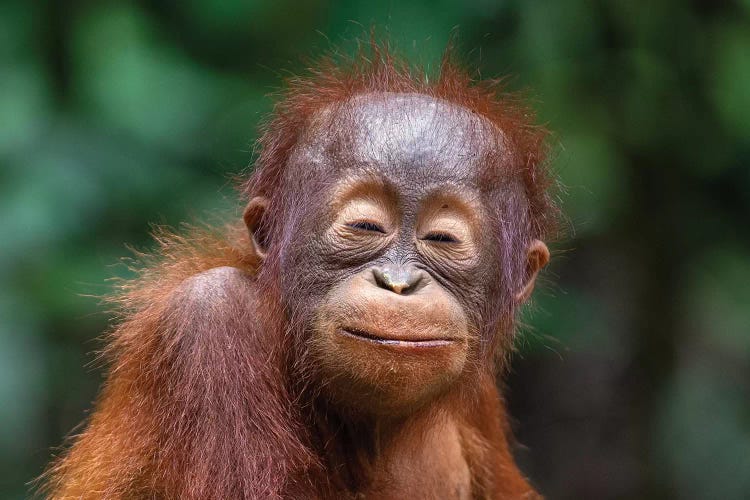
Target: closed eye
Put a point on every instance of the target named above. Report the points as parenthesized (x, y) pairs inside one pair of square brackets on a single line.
[(440, 237), (364, 225)]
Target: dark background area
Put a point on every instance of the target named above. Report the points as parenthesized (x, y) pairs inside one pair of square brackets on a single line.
[(632, 377)]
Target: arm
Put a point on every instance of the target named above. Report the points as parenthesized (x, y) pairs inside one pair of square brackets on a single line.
[(194, 403)]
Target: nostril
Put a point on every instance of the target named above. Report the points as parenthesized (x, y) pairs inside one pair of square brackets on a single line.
[(379, 278), (415, 279)]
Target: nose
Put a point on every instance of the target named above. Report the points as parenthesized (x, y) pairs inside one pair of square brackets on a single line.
[(398, 279)]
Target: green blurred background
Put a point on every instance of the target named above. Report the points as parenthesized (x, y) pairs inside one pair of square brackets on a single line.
[(632, 378)]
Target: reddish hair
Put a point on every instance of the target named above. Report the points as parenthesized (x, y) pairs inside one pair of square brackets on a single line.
[(191, 409), (376, 69)]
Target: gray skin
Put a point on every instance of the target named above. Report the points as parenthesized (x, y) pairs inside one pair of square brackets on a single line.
[(417, 145)]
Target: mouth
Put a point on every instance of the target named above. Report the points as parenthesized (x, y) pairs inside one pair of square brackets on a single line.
[(366, 336)]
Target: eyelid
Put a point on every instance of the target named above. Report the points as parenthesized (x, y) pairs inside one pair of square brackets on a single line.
[(374, 227), (441, 237)]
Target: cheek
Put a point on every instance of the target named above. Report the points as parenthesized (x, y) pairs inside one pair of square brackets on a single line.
[(481, 289), (472, 285), (302, 280), (316, 264), (308, 274)]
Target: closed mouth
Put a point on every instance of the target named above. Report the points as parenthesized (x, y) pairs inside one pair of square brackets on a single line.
[(360, 334)]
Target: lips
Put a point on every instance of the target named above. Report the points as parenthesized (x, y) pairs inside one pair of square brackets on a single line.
[(391, 340)]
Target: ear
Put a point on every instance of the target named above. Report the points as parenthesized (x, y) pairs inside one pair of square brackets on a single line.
[(537, 257), (256, 227)]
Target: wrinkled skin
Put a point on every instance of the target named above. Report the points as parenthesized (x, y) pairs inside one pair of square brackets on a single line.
[(393, 265)]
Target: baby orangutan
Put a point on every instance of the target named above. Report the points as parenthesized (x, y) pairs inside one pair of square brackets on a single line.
[(345, 341)]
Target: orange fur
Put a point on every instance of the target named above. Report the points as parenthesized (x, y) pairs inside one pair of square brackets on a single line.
[(199, 401)]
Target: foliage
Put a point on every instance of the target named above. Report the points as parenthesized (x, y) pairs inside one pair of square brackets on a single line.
[(633, 375)]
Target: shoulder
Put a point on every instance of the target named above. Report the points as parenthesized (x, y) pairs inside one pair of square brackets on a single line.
[(217, 281), (210, 315), (213, 292)]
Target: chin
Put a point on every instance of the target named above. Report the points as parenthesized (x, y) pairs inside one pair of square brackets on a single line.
[(380, 373)]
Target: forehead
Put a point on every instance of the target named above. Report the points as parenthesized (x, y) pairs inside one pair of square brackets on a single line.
[(408, 138)]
